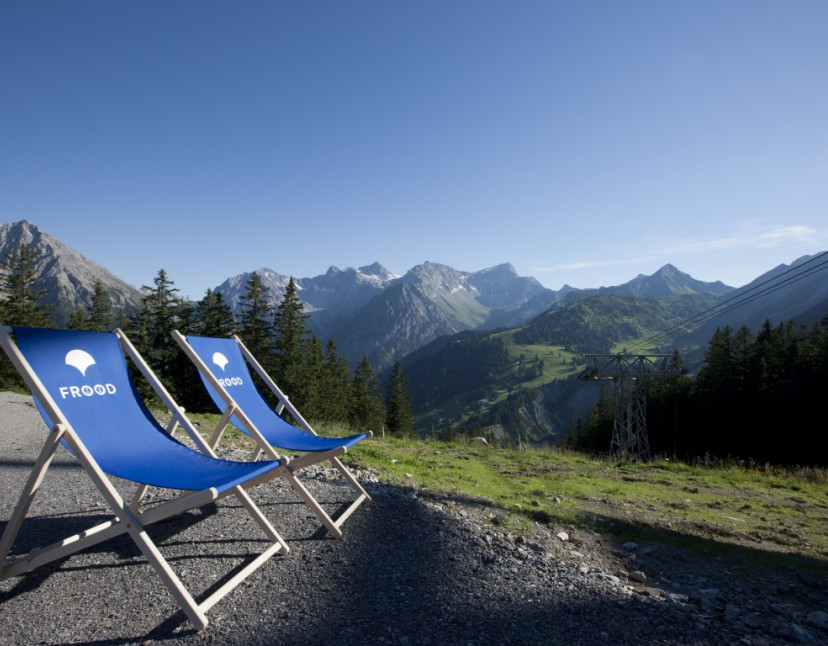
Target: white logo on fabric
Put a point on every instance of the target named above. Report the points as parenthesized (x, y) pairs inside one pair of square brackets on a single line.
[(81, 360), (221, 361)]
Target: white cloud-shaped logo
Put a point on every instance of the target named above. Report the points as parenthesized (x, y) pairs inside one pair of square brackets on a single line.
[(220, 360), (79, 359)]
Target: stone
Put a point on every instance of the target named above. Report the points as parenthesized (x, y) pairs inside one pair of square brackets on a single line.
[(638, 576), (818, 619)]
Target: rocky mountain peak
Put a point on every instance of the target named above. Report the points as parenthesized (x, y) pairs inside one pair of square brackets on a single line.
[(66, 275)]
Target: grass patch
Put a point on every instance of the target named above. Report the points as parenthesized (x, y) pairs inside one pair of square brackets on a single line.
[(710, 503), (782, 510)]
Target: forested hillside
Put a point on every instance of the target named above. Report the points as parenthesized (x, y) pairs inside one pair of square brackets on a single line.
[(757, 397), (515, 384), (595, 325)]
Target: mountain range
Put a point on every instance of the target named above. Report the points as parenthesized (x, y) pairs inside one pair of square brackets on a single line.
[(426, 316), (370, 310)]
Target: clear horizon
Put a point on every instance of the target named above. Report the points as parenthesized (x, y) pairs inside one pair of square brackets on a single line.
[(584, 143)]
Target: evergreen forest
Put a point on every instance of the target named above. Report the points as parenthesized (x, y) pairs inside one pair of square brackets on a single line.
[(756, 399)]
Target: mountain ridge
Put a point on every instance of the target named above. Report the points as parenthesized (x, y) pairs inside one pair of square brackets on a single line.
[(67, 276), (441, 323), (369, 310)]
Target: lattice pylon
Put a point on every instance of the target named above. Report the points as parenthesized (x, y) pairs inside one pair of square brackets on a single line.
[(629, 427), (630, 374)]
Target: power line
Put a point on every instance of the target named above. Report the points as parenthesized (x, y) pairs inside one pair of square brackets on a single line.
[(813, 265), (788, 277)]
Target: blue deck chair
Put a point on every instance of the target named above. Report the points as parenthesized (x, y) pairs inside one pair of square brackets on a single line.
[(223, 366), (82, 387)]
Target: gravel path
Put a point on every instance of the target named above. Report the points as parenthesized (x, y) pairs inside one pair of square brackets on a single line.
[(411, 569)]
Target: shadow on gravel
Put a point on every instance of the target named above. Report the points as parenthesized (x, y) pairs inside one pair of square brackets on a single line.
[(721, 545), (407, 573)]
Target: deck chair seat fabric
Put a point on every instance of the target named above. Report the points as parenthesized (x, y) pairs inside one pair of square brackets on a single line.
[(225, 360), (87, 376)]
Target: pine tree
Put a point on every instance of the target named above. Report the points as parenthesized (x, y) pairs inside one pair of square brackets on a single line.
[(22, 304), (101, 318), (290, 341), (150, 330), (213, 317), (334, 386), (367, 412), (312, 379), (667, 407), (77, 320), (399, 418), (257, 321), (595, 435)]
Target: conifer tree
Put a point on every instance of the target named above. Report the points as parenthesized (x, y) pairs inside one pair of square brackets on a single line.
[(101, 318), (77, 320), (595, 434), (311, 382), (22, 302), (667, 409), (399, 417), (150, 330), (290, 341), (210, 316), (367, 412), (334, 386), (213, 316), (257, 321)]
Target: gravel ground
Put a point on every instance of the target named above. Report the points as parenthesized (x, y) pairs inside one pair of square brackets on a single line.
[(411, 569)]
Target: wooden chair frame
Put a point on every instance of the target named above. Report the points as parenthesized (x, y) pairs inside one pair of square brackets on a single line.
[(233, 409)]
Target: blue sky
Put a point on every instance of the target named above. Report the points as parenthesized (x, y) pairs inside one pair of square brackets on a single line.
[(584, 142)]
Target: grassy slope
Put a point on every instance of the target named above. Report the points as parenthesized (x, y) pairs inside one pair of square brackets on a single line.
[(772, 510), (714, 508)]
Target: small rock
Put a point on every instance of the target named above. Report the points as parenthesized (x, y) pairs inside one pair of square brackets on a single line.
[(638, 576), (818, 619), (630, 546), (732, 611), (562, 536), (655, 593), (803, 635)]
